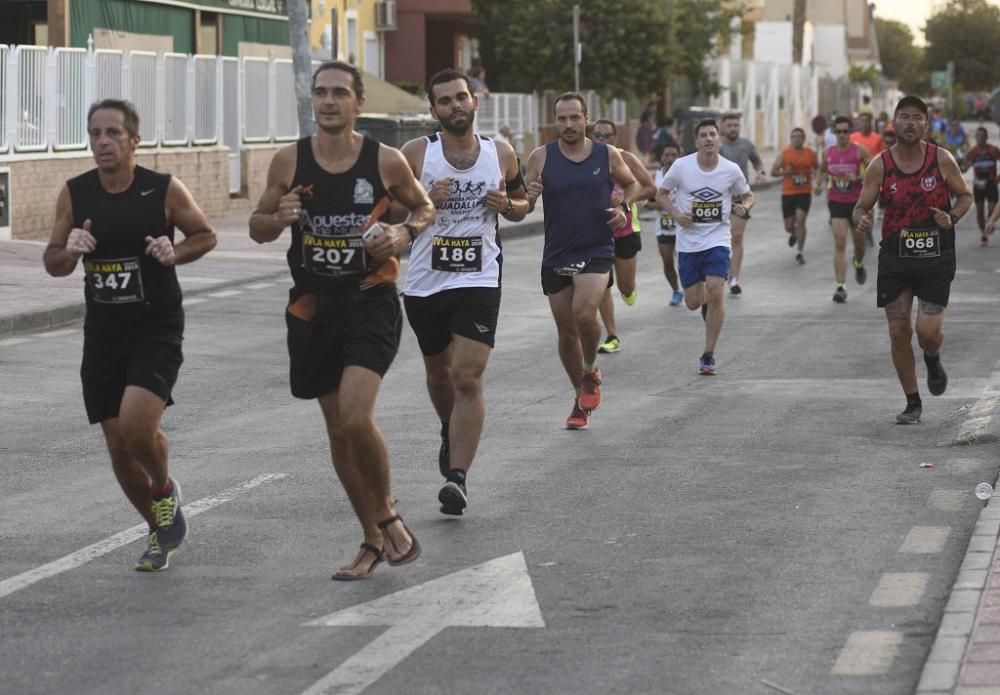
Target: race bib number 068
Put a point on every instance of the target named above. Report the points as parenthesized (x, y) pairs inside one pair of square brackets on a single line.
[(114, 280), (706, 211), (919, 243)]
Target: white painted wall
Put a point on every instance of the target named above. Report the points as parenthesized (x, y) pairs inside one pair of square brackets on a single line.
[(773, 43), (831, 50)]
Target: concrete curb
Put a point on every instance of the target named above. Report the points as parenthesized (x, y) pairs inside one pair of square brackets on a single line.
[(46, 319), (951, 649)]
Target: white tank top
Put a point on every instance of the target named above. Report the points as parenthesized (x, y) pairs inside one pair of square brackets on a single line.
[(460, 248)]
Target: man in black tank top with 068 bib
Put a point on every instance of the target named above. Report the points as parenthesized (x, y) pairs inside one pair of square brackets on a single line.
[(916, 259), (120, 219), (343, 317)]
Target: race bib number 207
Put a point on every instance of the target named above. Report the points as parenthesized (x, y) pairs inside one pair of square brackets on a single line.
[(114, 280), (333, 257)]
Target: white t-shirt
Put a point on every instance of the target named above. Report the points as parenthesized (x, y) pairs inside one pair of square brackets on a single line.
[(458, 249), (708, 197)]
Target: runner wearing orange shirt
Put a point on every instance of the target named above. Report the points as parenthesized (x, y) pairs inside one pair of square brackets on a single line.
[(796, 164)]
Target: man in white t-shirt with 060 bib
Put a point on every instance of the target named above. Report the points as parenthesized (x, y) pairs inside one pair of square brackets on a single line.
[(452, 291), (703, 185)]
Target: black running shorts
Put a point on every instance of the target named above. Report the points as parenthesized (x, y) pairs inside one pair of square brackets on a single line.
[(988, 192), (351, 327), (470, 312), (934, 287), (627, 246), (791, 203), (148, 360), (841, 211), (553, 282)]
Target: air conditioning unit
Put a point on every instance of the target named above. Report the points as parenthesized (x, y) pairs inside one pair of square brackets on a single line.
[(385, 15)]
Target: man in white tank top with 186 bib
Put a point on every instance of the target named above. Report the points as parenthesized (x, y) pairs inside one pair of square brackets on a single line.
[(452, 291)]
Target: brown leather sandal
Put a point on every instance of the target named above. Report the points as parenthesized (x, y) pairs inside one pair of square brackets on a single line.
[(366, 549), (412, 554)]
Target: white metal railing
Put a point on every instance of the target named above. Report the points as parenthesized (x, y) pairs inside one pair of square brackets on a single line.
[(108, 69), (30, 75), (141, 80), (71, 100), (256, 99), (175, 99), (286, 115), (207, 70)]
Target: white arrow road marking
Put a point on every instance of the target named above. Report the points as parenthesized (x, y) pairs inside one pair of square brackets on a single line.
[(95, 550), (497, 593)]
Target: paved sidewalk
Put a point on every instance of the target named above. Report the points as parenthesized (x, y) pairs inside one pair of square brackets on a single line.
[(31, 299)]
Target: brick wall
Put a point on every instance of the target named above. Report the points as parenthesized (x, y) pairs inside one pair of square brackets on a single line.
[(35, 183)]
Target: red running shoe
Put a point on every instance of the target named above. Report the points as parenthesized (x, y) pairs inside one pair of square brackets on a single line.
[(590, 391), (577, 419)]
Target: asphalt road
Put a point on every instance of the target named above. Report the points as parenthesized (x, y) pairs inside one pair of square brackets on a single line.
[(770, 526)]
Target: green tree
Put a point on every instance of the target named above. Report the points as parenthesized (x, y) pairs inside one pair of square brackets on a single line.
[(630, 47), (902, 60), (867, 75), (966, 32)]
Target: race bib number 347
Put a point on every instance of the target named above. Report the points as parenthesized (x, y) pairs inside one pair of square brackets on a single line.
[(457, 254), (333, 257), (706, 211), (919, 243), (114, 280)]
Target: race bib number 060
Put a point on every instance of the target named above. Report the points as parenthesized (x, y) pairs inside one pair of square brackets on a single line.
[(114, 280), (919, 243), (706, 211), (457, 254), (333, 257)]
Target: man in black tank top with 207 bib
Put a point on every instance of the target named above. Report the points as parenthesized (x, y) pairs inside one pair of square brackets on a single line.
[(344, 319), (120, 219)]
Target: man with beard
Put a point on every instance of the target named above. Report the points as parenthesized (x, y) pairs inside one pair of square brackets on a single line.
[(983, 159), (575, 176), (120, 219), (916, 259), (343, 316), (452, 290)]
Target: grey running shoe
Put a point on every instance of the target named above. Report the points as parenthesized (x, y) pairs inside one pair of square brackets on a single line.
[(453, 498), (937, 380), (154, 559), (910, 416), (800, 259), (840, 295), (171, 527), (860, 274), (444, 453)]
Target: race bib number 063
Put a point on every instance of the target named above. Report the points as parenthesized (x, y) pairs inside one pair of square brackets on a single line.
[(919, 243), (706, 211), (114, 280), (333, 257), (457, 254)]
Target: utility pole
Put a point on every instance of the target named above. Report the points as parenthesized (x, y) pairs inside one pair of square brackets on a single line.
[(577, 48), (298, 39)]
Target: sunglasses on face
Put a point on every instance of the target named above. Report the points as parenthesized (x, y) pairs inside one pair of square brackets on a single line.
[(602, 135)]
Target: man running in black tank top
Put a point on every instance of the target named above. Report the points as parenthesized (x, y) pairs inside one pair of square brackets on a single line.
[(120, 219), (343, 317)]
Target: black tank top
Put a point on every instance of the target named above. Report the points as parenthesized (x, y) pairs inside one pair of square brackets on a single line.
[(327, 252), (125, 289)]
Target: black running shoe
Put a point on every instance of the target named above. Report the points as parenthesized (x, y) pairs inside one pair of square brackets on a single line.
[(791, 240), (860, 274), (937, 380), (910, 416), (444, 453), (800, 259), (453, 498)]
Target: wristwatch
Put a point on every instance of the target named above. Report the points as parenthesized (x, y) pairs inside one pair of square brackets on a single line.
[(412, 229)]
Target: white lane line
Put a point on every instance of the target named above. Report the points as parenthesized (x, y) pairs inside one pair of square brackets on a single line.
[(58, 333), (899, 589), (196, 300), (868, 653), (14, 341), (96, 550), (925, 540), (197, 280), (225, 293), (259, 285)]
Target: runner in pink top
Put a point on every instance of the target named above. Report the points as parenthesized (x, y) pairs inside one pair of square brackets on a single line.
[(844, 165)]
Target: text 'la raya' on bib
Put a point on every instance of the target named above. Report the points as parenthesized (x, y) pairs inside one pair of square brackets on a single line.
[(114, 280)]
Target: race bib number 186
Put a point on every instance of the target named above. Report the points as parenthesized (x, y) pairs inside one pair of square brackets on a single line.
[(457, 254), (114, 280)]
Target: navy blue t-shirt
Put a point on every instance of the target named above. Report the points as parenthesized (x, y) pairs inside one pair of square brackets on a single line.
[(576, 197)]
